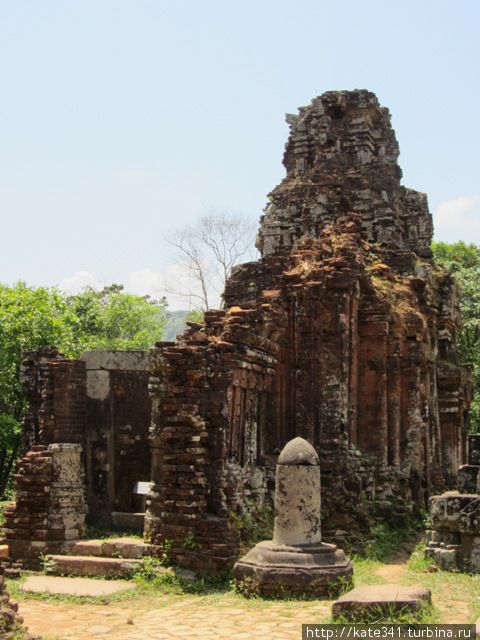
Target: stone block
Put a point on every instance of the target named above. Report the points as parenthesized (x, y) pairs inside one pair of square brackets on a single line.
[(92, 566), (87, 587), (372, 599), (113, 548), (115, 360), (474, 449), (453, 511), (467, 478)]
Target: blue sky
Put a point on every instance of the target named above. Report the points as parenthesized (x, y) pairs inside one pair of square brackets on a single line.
[(123, 119)]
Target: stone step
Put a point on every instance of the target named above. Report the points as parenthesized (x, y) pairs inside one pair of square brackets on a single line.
[(111, 548), (91, 587), (92, 566)]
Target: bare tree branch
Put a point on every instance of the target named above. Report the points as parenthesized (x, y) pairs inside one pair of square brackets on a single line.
[(209, 250)]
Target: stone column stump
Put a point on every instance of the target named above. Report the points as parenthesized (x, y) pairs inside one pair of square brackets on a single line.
[(453, 537), (66, 518), (296, 561)]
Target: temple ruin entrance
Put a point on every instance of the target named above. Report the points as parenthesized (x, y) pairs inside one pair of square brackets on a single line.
[(117, 450)]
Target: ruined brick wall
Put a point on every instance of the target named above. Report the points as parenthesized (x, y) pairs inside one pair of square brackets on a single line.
[(210, 403), (343, 333), (367, 348), (50, 480), (49, 503), (100, 401), (55, 389)]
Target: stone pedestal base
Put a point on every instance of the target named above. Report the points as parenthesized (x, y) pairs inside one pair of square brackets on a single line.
[(453, 541), (279, 570)]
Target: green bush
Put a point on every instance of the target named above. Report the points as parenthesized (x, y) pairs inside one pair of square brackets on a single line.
[(386, 539), (254, 524)]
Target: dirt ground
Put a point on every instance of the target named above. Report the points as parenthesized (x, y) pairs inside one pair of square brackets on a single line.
[(456, 599)]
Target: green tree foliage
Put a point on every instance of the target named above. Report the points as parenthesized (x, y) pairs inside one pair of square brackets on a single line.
[(111, 319), (463, 260), (29, 318), (34, 317), (176, 322), (195, 315)]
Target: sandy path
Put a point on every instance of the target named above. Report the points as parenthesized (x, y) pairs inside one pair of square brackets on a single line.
[(150, 619), (211, 618)]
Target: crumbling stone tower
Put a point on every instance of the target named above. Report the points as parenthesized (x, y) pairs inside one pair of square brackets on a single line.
[(343, 333), (341, 156)]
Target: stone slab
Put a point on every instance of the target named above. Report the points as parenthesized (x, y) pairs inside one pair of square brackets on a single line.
[(112, 548), (381, 596), (113, 360), (75, 586), (4, 551), (93, 566)]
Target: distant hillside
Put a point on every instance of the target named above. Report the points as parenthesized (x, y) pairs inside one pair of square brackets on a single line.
[(175, 324)]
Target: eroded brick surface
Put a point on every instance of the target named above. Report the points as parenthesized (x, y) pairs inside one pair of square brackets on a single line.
[(55, 388)]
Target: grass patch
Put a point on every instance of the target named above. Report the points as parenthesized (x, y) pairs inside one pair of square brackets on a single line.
[(364, 571), (456, 594), (419, 563), (14, 589), (387, 540), (3, 505), (152, 576), (99, 532), (389, 615), (14, 633)]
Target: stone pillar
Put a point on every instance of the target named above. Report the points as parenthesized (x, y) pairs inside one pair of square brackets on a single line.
[(297, 495), (66, 518), (295, 561)]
